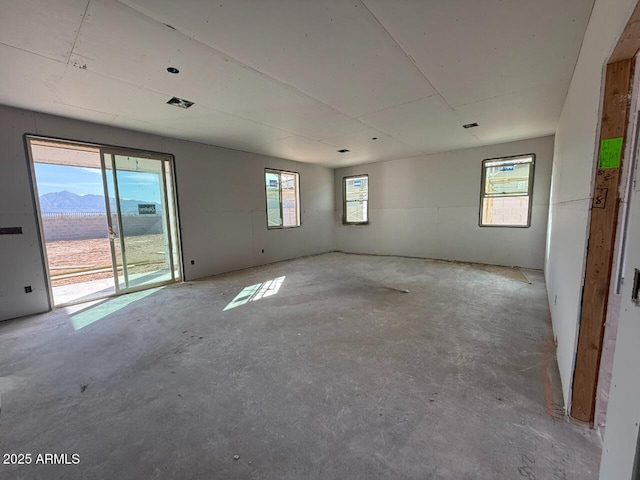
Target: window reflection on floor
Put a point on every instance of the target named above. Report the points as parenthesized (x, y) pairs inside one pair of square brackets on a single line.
[(256, 292), (95, 312)]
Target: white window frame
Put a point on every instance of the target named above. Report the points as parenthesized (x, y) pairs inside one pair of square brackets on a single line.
[(297, 199), (345, 220)]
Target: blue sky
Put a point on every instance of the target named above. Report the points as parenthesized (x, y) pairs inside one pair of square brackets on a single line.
[(82, 181)]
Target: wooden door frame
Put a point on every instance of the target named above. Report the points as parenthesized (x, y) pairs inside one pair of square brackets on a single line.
[(605, 206)]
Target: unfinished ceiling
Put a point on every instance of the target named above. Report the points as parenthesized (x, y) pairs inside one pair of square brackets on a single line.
[(299, 79)]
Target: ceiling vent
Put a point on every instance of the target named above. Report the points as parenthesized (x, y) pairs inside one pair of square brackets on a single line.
[(470, 125), (343, 150), (180, 102)]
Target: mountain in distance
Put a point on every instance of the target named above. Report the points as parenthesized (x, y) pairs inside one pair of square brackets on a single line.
[(68, 202)]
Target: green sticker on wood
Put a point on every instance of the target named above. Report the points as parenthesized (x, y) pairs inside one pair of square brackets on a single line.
[(610, 153)]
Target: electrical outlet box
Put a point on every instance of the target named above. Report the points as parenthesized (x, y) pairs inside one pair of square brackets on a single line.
[(28, 289)]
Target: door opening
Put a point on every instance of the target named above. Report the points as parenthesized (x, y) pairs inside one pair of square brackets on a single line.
[(108, 219)]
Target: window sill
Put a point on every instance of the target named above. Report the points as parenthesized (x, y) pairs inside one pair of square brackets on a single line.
[(505, 226), (283, 228)]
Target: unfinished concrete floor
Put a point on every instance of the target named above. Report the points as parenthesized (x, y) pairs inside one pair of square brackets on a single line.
[(338, 375)]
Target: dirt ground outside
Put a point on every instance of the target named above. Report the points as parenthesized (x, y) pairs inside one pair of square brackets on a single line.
[(78, 261)]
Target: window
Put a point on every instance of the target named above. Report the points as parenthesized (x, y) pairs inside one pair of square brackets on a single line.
[(283, 200), (507, 184), (356, 200)]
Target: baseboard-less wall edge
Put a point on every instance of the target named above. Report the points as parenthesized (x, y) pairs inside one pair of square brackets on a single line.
[(228, 272), (447, 260), (24, 317)]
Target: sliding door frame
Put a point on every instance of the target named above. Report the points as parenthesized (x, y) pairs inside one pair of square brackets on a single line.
[(176, 270), (177, 261)]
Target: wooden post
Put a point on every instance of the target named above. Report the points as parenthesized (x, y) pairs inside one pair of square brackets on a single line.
[(602, 235)]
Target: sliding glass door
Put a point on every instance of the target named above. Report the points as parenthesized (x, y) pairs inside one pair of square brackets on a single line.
[(141, 219), (108, 218)]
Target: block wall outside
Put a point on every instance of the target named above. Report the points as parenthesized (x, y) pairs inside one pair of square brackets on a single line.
[(506, 211), (85, 226), (230, 217)]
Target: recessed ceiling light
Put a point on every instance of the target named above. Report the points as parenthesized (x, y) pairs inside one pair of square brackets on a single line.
[(470, 125), (173, 70), (180, 102), (343, 150)]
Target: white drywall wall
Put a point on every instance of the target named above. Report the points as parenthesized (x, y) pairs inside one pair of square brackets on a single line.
[(20, 260), (428, 206), (572, 177), (221, 205)]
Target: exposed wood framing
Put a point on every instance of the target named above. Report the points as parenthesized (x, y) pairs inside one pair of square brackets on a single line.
[(629, 43), (602, 233), (604, 217)]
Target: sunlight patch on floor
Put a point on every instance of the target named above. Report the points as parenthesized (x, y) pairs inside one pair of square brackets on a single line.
[(256, 292)]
